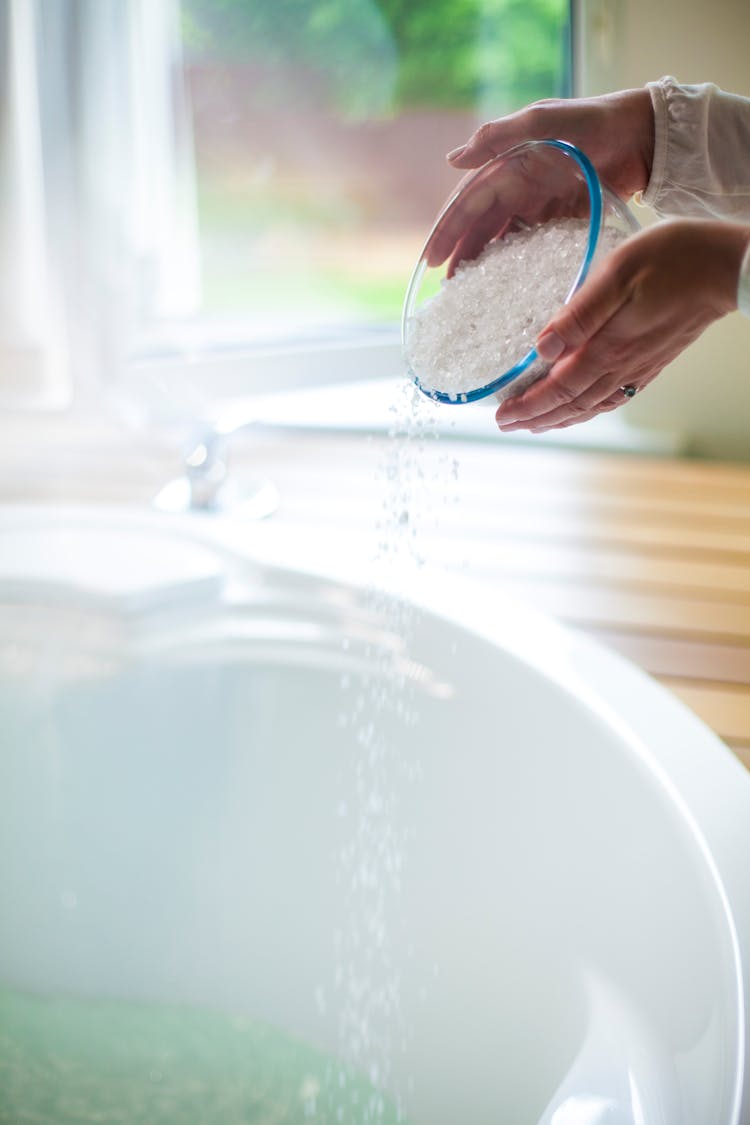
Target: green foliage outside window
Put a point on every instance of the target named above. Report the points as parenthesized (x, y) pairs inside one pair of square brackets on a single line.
[(314, 71), (378, 58)]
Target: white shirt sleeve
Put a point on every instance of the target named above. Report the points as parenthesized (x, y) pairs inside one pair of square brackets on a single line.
[(701, 163), (701, 151)]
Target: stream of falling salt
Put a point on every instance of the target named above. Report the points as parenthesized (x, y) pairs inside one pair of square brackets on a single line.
[(381, 717)]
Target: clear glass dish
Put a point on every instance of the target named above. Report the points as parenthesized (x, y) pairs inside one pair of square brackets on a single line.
[(528, 186)]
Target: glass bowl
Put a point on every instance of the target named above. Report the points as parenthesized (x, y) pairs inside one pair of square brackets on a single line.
[(509, 201)]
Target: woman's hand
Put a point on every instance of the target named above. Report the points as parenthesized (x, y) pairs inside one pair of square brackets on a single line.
[(616, 131), (650, 297)]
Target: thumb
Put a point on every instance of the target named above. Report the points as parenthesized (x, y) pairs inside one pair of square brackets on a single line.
[(586, 313), (494, 137), (490, 139)]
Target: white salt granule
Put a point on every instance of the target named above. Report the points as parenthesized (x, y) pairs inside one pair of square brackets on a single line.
[(486, 318)]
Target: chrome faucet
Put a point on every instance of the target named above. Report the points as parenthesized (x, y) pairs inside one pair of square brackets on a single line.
[(206, 485)]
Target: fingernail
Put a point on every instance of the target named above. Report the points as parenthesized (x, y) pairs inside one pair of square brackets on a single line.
[(456, 152), (550, 346)]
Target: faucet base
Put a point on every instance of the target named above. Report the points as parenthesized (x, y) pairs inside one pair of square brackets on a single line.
[(253, 499)]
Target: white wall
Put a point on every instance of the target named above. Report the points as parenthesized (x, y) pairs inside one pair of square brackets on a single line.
[(620, 43)]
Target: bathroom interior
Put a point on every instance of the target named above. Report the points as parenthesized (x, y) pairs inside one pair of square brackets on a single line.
[(358, 762)]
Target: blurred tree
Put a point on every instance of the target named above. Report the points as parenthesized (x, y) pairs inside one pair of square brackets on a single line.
[(371, 57), (304, 50), (523, 53), (436, 42)]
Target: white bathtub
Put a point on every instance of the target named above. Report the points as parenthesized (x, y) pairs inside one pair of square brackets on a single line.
[(439, 842)]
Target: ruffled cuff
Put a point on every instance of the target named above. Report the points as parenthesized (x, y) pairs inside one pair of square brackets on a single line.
[(680, 174), (655, 186), (743, 287), (701, 163)]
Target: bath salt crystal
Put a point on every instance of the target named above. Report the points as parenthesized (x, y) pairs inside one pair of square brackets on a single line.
[(486, 318)]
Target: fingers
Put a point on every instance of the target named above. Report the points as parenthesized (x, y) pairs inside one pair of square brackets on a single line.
[(646, 302), (492, 225), (582, 377), (532, 185), (629, 319), (485, 206), (573, 414), (582, 386), (598, 397), (498, 136), (572, 388), (615, 130), (481, 147)]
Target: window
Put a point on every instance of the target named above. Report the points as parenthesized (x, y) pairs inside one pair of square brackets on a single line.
[(190, 177), (320, 129)]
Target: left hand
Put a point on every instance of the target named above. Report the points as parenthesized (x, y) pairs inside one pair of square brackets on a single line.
[(650, 297)]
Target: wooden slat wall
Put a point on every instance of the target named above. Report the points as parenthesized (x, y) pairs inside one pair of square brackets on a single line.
[(650, 556)]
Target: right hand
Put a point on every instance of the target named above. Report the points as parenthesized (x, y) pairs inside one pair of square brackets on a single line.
[(645, 302), (616, 131)]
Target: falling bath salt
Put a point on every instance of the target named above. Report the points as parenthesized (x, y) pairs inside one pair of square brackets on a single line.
[(486, 318)]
